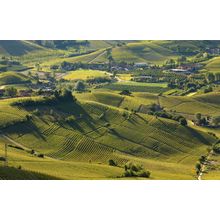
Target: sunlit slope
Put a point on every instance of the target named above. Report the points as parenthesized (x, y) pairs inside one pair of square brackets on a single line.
[(212, 65), (7, 78), (157, 51), (207, 104), (100, 132)]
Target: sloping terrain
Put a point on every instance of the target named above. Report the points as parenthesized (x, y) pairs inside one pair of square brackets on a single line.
[(17, 48), (98, 132), (7, 78)]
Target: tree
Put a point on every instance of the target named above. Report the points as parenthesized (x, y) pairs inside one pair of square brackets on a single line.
[(216, 120), (67, 95), (112, 163), (183, 121), (80, 86), (209, 89), (198, 116), (135, 170), (210, 77), (11, 92), (198, 168), (125, 92)]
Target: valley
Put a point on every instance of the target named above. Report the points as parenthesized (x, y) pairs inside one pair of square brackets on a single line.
[(109, 110)]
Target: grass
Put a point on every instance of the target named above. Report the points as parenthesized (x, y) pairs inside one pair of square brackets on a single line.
[(212, 65), (138, 87), (12, 78), (125, 76), (84, 74), (81, 149)]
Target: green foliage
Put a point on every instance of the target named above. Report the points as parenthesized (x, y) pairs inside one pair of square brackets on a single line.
[(135, 170), (216, 120), (125, 92), (10, 92), (112, 163), (80, 86), (183, 121)]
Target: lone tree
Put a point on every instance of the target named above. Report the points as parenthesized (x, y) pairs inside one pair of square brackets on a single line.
[(80, 86), (125, 92), (112, 163), (183, 121), (198, 116)]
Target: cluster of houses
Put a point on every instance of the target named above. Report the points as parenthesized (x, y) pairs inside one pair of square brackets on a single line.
[(187, 69), (122, 66)]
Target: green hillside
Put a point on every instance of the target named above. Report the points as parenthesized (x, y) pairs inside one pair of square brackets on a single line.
[(93, 109), (157, 52), (7, 78), (212, 65), (98, 132), (17, 48)]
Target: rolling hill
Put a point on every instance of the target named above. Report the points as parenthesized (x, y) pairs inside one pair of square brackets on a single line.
[(18, 48), (7, 78), (98, 132)]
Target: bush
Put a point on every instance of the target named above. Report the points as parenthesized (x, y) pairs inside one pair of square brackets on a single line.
[(202, 159), (198, 167), (41, 155), (80, 86), (125, 92), (135, 170), (36, 112), (216, 149), (2, 158), (144, 174), (183, 121), (112, 163)]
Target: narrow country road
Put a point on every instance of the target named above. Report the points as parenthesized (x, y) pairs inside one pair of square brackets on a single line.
[(12, 141), (99, 55), (204, 166)]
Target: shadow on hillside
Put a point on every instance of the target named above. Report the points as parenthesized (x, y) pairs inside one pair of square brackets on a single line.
[(25, 128), (199, 136), (82, 117)]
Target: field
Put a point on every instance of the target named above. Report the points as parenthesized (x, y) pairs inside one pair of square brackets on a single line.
[(84, 74), (12, 78), (138, 87), (212, 65), (57, 131), (86, 144)]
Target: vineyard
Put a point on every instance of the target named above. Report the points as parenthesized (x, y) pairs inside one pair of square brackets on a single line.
[(136, 87)]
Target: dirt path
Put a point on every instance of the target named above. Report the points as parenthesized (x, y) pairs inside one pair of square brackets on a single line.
[(99, 55), (12, 141), (204, 166)]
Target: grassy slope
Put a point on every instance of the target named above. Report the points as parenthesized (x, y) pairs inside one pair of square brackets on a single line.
[(84, 74), (137, 87), (139, 138), (212, 65), (156, 52), (7, 78), (17, 48)]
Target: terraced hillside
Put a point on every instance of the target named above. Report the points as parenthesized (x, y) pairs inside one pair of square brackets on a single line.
[(122, 110), (96, 133)]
